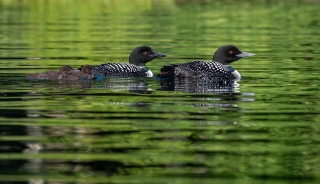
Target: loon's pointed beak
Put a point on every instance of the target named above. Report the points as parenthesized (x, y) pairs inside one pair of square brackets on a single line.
[(157, 55), (245, 54)]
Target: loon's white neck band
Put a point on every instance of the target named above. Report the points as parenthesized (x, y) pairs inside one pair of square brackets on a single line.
[(234, 72), (148, 72)]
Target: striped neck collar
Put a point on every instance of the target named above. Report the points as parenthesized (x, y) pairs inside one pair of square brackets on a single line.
[(235, 73), (144, 69), (229, 67), (147, 71)]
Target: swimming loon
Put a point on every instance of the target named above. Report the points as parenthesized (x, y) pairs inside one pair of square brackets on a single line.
[(136, 67), (218, 69), (66, 73)]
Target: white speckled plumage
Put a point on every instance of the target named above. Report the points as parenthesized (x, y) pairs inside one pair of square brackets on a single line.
[(118, 70), (203, 68)]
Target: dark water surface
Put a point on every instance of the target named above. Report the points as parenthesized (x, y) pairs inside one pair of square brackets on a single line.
[(262, 129)]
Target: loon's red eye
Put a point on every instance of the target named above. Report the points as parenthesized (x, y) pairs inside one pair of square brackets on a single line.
[(230, 52), (145, 52)]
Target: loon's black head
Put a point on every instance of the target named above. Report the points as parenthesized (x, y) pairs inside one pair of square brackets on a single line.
[(143, 54), (228, 54)]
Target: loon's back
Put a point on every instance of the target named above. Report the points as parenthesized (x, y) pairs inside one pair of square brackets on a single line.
[(203, 68), (198, 69), (118, 70)]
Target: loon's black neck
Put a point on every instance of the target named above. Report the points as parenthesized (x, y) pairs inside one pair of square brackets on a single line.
[(136, 61)]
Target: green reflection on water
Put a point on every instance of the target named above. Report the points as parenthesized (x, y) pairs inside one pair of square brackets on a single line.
[(270, 135)]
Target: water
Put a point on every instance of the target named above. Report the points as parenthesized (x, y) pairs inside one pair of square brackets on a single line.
[(263, 129)]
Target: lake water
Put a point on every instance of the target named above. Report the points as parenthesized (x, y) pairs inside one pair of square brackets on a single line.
[(264, 129)]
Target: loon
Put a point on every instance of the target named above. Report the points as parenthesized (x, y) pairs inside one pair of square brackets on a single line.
[(66, 73), (136, 67), (217, 69)]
